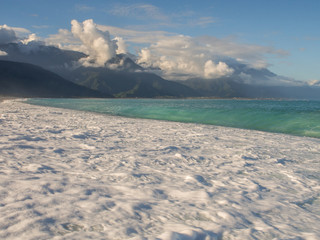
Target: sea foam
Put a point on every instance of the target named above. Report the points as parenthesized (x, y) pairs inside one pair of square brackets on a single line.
[(67, 174)]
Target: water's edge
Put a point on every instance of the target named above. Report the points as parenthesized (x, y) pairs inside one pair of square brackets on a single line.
[(300, 118)]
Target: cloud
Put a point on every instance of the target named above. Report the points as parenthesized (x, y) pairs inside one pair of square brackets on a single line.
[(30, 38), (40, 26), (171, 47), (7, 35), (64, 39), (135, 36), (88, 38), (82, 7), (183, 57), (20, 32), (213, 70), (314, 83), (251, 54), (3, 53), (122, 47), (174, 56), (202, 21), (158, 17), (12, 34), (97, 44), (145, 56), (139, 11)]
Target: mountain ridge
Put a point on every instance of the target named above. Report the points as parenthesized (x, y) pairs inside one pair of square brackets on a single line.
[(27, 80), (122, 77)]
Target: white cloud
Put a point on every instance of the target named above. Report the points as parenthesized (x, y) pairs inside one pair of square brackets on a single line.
[(183, 55), (3, 53), (122, 47), (145, 56), (97, 44), (30, 38), (134, 36), (20, 31), (213, 70), (7, 35), (40, 26), (14, 34), (314, 83), (251, 54), (173, 56), (64, 39)]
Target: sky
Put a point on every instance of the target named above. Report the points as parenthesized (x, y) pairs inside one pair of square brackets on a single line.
[(181, 36)]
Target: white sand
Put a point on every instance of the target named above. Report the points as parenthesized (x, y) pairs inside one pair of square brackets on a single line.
[(75, 175)]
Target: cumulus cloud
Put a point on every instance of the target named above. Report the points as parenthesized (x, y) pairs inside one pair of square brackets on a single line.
[(88, 38), (145, 56), (7, 35), (32, 37), (207, 57), (172, 56), (3, 53), (183, 57), (17, 35), (25, 43), (213, 70), (122, 47), (314, 83), (97, 44), (251, 54)]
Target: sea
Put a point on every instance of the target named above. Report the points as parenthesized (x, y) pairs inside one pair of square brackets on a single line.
[(295, 117)]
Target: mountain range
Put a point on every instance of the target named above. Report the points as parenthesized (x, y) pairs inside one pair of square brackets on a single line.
[(47, 71), (27, 80)]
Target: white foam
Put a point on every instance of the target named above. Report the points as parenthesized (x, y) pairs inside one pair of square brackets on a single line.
[(76, 175)]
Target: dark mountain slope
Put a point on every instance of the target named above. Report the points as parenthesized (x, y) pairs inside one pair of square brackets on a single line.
[(129, 84), (26, 80)]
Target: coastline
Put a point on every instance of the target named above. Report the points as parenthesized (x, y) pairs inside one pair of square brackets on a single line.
[(6, 98), (70, 174)]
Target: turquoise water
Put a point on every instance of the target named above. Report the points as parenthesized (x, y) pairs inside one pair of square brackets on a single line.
[(300, 118)]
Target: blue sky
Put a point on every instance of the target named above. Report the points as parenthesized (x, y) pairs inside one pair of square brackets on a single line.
[(285, 31)]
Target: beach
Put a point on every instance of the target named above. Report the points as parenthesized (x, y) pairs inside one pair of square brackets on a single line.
[(66, 174)]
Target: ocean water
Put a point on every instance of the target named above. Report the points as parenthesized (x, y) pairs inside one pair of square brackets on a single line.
[(301, 118)]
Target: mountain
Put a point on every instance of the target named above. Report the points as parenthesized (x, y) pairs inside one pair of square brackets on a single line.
[(123, 62), (48, 57), (27, 80), (230, 88), (129, 83), (122, 77)]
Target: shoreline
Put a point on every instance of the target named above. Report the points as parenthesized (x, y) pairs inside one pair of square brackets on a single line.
[(304, 127), (7, 98), (72, 174)]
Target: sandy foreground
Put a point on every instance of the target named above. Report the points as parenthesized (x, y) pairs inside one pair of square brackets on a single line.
[(76, 175)]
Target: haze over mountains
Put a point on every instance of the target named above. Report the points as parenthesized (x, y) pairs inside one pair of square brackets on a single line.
[(107, 70)]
